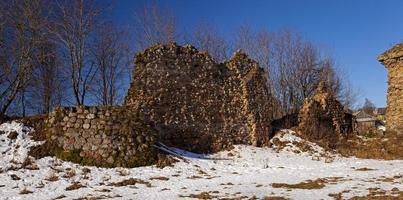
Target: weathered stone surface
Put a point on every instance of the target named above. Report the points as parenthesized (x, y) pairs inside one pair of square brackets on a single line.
[(198, 104), (393, 60), (323, 118), (87, 143)]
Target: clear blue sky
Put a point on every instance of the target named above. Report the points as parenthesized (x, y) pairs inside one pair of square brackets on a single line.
[(354, 32)]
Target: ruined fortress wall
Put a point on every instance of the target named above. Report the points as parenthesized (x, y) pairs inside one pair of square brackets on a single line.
[(198, 104), (322, 118), (101, 136), (393, 60)]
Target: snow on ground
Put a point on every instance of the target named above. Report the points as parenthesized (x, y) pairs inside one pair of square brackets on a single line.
[(245, 172)]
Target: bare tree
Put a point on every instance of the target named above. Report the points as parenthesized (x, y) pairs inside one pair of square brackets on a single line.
[(368, 106), (47, 88), (74, 23), (24, 24), (206, 37), (109, 53), (154, 25)]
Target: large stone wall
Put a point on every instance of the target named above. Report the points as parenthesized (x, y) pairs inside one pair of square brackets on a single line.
[(198, 104), (323, 118), (101, 136), (393, 60)]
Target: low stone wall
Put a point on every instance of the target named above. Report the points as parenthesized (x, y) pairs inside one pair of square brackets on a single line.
[(101, 136)]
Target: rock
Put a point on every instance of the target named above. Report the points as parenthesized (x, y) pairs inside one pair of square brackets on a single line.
[(2, 132), (140, 139), (12, 135), (86, 126), (91, 116), (72, 119), (110, 160)]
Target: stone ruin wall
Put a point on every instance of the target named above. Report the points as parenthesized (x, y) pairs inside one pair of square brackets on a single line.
[(323, 118), (198, 104), (393, 60), (101, 136)]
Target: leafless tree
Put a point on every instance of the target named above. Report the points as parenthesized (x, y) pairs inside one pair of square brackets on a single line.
[(206, 37), (74, 23), (109, 53), (47, 89), (23, 26), (154, 25)]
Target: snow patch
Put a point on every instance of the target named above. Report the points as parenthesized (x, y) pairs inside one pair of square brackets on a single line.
[(14, 151)]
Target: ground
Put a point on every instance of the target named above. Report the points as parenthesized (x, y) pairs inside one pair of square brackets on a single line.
[(291, 169)]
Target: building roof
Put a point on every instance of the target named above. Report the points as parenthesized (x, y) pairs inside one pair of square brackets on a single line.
[(393, 53), (380, 111), (362, 116)]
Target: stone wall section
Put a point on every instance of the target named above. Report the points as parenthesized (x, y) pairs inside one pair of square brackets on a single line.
[(101, 136), (198, 104), (323, 118), (393, 60)]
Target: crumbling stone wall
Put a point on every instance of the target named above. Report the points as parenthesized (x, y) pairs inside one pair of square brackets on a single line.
[(322, 118), (198, 104), (101, 136), (393, 60)]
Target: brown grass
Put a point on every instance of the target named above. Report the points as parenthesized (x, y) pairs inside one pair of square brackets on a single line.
[(26, 191), (364, 169), (308, 185), (202, 195), (388, 147), (274, 198), (52, 178), (74, 186), (130, 181), (162, 178)]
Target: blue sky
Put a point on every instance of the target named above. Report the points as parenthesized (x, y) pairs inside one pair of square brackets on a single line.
[(354, 32)]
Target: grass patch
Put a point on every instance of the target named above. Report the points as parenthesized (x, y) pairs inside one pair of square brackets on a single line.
[(130, 181), (74, 186), (306, 185)]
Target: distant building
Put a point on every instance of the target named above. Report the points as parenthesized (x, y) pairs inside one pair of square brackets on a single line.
[(365, 121)]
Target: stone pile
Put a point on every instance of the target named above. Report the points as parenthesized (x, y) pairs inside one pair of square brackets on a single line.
[(101, 136), (323, 118), (198, 104), (393, 60)]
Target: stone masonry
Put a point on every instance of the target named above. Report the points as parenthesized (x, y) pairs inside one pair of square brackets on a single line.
[(393, 60), (198, 104), (323, 119), (101, 136)]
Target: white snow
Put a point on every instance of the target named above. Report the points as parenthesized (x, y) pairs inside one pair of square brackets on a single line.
[(244, 171)]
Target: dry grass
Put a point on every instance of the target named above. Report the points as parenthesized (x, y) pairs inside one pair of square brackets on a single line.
[(131, 181), (74, 186), (307, 185), (26, 191), (388, 147), (202, 195), (274, 198), (52, 178), (364, 169), (161, 178)]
